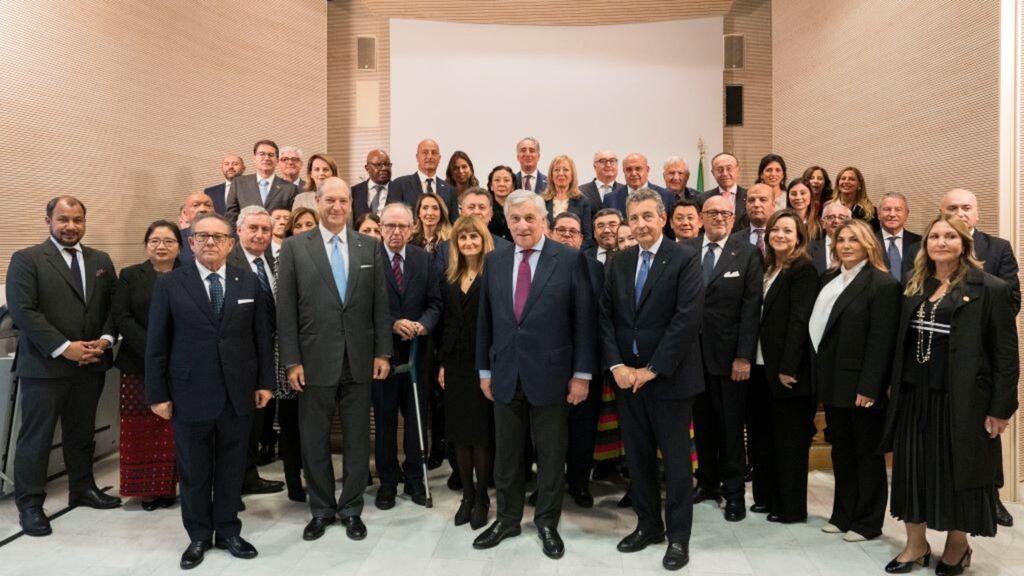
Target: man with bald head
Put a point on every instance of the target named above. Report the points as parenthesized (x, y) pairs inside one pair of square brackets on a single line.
[(606, 169), (725, 168), (676, 174), (637, 171), (231, 166), (529, 177), (833, 215), (371, 195), (425, 180), (195, 204), (759, 208)]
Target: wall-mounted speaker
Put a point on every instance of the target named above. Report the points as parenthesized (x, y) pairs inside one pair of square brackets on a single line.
[(733, 51), (366, 53), (734, 105)]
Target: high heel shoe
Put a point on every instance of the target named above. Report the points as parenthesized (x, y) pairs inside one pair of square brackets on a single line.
[(943, 569), (897, 567), (462, 516), (478, 518)]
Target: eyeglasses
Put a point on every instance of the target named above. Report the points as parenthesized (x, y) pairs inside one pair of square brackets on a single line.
[(379, 165), (154, 242), (567, 232), (835, 218), (291, 159), (395, 227), (607, 226), (262, 154), (203, 238), (723, 214), (606, 161)]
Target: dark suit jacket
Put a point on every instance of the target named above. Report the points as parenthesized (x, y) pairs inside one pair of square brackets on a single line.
[(591, 192), (361, 198), (553, 340), (48, 311), (910, 243), (741, 205), (856, 350), (245, 191), (999, 261), (595, 270), (580, 207), (420, 299), (983, 373), (784, 340), (185, 255), (201, 362), (237, 258), (216, 194), (408, 189), (665, 323), (817, 251), (538, 187), (617, 200), (314, 328), (130, 309), (732, 305)]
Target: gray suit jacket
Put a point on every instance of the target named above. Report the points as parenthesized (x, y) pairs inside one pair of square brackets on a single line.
[(245, 191), (314, 328), (48, 311)]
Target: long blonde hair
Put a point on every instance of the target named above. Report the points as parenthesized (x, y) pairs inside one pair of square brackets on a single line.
[(861, 199), (458, 265), (574, 183), (862, 232), (444, 226), (924, 266)]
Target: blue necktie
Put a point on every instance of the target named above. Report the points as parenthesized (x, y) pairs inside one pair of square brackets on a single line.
[(641, 279), (708, 264), (261, 275), (895, 260), (338, 267), (264, 191), (216, 293)]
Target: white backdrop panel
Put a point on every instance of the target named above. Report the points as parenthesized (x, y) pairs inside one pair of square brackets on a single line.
[(650, 88)]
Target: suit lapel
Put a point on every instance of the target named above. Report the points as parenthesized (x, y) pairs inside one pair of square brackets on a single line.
[(275, 189), (91, 270), (547, 261), (658, 264), (231, 289), (967, 291), (859, 284), (194, 286), (769, 298), (355, 262), (57, 261), (980, 244), (389, 273), (317, 251), (724, 261)]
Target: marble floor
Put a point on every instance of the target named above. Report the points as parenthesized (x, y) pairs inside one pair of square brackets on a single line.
[(410, 540)]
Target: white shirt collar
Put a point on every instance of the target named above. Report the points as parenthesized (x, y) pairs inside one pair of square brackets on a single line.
[(372, 184), (269, 179), (849, 275), (536, 247), (204, 272), (251, 257), (423, 178), (530, 174), (719, 243), (391, 255), (327, 235), (60, 247), (886, 235), (731, 190), (654, 247)]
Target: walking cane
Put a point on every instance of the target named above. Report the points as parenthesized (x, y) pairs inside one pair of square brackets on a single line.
[(410, 367)]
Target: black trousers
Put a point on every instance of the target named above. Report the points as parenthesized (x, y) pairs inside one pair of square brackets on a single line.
[(290, 445), (267, 434), (861, 483), (648, 424), (579, 457), (718, 416), (317, 405), (778, 428), (549, 428), (44, 402), (252, 474), (211, 458), (391, 397)]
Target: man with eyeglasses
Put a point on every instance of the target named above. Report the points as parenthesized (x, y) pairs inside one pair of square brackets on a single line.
[(606, 234), (231, 166), (195, 204), (732, 274), (289, 166), (725, 168), (833, 215), (606, 170), (414, 302), (264, 188), (371, 195)]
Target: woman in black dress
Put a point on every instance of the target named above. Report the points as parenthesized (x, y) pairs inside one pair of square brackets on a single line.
[(501, 182), (954, 389), (469, 416)]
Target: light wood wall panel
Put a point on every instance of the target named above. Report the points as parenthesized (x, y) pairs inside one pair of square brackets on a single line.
[(1019, 196), (751, 141), (132, 105)]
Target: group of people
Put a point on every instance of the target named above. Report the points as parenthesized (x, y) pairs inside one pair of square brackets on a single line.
[(522, 313)]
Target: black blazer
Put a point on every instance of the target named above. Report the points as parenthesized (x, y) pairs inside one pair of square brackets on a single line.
[(48, 311), (817, 251), (216, 194), (460, 316), (999, 261), (732, 305), (580, 207), (784, 341), (741, 205), (856, 349), (408, 189), (983, 372), (593, 195), (361, 199), (130, 309), (201, 362), (538, 187), (418, 300), (911, 244), (665, 324)]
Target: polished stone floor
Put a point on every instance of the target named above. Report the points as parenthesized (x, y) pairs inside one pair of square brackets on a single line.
[(412, 541)]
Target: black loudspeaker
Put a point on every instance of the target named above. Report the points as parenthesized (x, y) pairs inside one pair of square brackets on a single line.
[(366, 53), (734, 105)]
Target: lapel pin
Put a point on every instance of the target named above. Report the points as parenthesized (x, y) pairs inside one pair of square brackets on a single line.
[(967, 298), (236, 278)]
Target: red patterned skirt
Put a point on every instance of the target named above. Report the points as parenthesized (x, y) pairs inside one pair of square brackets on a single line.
[(148, 467)]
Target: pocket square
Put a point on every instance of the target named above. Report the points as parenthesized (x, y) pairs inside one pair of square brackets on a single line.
[(366, 265), (246, 301), (733, 274)]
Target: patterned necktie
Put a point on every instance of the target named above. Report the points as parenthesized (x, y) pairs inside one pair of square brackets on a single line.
[(895, 260), (396, 269), (216, 293), (708, 264), (641, 279), (264, 191), (261, 275), (523, 280), (430, 185), (338, 267), (76, 272), (375, 203), (760, 240), (526, 182)]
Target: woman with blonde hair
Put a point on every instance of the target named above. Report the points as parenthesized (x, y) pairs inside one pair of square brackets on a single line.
[(852, 192), (563, 195)]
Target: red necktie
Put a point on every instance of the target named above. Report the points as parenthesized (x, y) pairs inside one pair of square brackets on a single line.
[(526, 182), (523, 280), (396, 269)]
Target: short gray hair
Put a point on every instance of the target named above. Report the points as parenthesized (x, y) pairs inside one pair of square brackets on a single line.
[(896, 195), (645, 194), (296, 149), (521, 196), (251, 210), (398, 206), (674, 160), (531, 139)]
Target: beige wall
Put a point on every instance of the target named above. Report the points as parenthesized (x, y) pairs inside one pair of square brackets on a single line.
[(131, 105), (751, 141)]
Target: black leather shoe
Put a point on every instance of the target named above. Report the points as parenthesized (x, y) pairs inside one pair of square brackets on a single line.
[(759, 509), (735, 510), (676, 556), (417, 494), (532, 498), (701, 494), (193, 555), (640, 539), (626, 501), (1003, 517), (464, 513), (385, 499), (943, 569), (297, 494), (34, 522), (554, 548), (354, 527), (581, 496), (495, 534), (478, 519), (263, 486), (896, 567), (237, 545), (151, 504), (773, 517), (93, 498), (316, 528)]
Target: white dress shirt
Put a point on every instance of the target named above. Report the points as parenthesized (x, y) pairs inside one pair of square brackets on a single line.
[(370, 187), (731, 197), (768, 281), (640, 258), (827, 300), (604, 189), (204, 273), (81, 267), (718, 252), (251, 258), (391, 257), (828, 251), (423, 181), (326, 235), (899, 240), (602, 255)]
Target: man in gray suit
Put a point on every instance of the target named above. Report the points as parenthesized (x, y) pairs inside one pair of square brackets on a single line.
[(334, 336), (59, 296), (262, 188)]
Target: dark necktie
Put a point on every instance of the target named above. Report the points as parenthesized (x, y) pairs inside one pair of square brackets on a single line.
[(760, 240), (375, 203), (523, 280), (708, 264), (526, 182), (76, 273), (895, 260), (216, 293), (396, 269), (641, 279), (430, 185), (261, 275)]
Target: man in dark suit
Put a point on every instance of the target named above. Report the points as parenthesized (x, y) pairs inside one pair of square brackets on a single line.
[(334, 337), (833, 215), (899, 245), (372, 195), (998, 259), (726, 171), (676, 174), (535, 352), (289, 167), (263, 188), (195, 204), (231, 166), (414, 296), (606, 169), (731, 268), (650, 319), (58, 294), (684, 219), (474, 202), (758, 208), (637, 171), (209, 362), (606, 234), (529, 177), (425, 180)]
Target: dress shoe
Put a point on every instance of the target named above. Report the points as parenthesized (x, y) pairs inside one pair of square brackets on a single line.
[(478, 519), (779, 519), (626, 501), (735, 510), (416, 493), (237, 545), (552, 543), (193, 555), (297, 494), (581, 496), (701, 494), (266, 455), (93, 498), (495, 534), (639, 539), (437, 454), (150, 505), (896, 567), (773, 517), (316, 528), (677, 555), (34, 522), (354, 527), (759, 508), (1003, 517), (464, 513), (385, 499), (831, 529), (943, 569), (263, 486), (852, 536), (454, 482), (532, 498)]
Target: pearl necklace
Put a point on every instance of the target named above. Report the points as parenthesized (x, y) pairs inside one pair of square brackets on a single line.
[(924, 351)]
